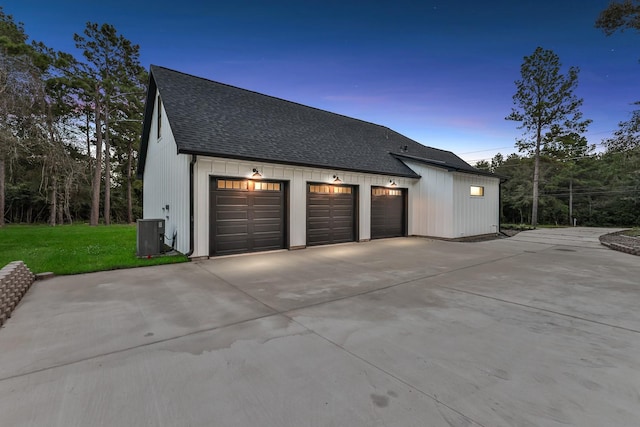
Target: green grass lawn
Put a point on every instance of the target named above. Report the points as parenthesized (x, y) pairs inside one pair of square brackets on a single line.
[(73, 249)]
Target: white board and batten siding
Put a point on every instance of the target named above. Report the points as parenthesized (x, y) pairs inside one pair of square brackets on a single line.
[(441, 204), (166, 183), (475, 215), (297, 178), (431, 202)]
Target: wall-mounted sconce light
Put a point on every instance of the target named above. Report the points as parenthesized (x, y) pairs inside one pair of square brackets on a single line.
[(256, 173), (392, 183), (336, 179), (166, 207)]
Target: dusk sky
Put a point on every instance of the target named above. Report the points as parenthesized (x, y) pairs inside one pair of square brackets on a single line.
[(440, 72)]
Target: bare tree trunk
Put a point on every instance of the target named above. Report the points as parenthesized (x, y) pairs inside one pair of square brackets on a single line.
[(60, 208), (2, 191), (67, 198), (97, 173), (54, 198), (107, 169), (536, 179), (129, 195), (88, 142)]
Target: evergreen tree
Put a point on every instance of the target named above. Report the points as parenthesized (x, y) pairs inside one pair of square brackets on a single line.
[(546, 107), (111, 72)]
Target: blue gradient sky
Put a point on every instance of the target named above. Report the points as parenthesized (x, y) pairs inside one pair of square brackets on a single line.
[(440, 72)]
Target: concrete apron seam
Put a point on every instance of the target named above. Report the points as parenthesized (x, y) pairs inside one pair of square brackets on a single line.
[(370, 291), (135, 347), (546, 310), (275, 311), (384, 371)]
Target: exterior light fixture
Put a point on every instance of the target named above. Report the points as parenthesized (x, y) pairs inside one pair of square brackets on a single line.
[(392, 183), (336, 179), (256, 173)]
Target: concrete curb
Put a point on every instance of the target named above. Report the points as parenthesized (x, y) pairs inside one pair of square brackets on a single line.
[(618, 246)]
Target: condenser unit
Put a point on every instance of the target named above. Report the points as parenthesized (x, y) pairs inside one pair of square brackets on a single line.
[(150, 237)]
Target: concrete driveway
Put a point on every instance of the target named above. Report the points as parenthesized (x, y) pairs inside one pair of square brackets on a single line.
[(542, 329)]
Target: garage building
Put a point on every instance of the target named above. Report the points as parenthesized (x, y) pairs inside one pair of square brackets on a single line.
[(235, 171)]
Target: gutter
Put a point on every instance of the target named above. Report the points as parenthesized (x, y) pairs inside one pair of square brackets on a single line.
[(194, 158)]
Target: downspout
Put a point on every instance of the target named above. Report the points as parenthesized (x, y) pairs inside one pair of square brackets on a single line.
[(191, 216)]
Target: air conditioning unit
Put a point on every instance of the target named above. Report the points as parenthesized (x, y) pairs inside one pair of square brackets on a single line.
[(150, 237)]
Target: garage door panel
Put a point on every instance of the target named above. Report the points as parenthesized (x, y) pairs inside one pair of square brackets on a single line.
[(260, 227), (274, 214), (231, 228), (230, 200), (346, 203), (342, 213), (318, 214), (339, 225), (265, 244), (263, 200), (230, 245), (318, 227), (319, 200), (229, 215)]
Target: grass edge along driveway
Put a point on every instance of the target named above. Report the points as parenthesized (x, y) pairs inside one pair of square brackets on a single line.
[(74, 249)]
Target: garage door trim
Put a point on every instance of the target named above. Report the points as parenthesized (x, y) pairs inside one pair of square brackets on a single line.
[(339, 193), (391, 221), (254, 219)]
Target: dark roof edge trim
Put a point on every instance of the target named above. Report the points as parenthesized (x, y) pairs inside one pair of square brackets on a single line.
[(281, 162), (442, 165), (146, 126)]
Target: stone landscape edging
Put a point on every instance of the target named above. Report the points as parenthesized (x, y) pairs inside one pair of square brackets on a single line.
[(15, 281)]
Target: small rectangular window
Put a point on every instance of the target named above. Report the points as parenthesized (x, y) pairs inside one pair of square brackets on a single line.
[(266, 186), (318, 188), (341, 190), (229, 184), (477, 191)]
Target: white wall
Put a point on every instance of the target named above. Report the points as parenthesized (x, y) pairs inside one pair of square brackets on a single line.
[(166, 182), (298, 177), (475, 215), (431, 202)]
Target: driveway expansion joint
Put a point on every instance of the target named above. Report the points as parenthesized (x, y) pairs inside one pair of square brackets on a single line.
[(546, 310)]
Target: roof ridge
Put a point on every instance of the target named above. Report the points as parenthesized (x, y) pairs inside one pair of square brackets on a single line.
[(288, 101), (252, 125)]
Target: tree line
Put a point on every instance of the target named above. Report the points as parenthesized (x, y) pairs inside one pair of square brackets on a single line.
[(69, 127), (561, 178), (70, 132)]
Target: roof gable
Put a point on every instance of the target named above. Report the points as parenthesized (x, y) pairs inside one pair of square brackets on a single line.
[(215, 119)]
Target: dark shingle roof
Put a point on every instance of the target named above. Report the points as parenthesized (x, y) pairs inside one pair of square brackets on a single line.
[(214, 119)]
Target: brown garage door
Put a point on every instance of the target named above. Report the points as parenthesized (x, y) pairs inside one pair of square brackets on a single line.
[(388, 212), (330, 214), (246, 216)]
